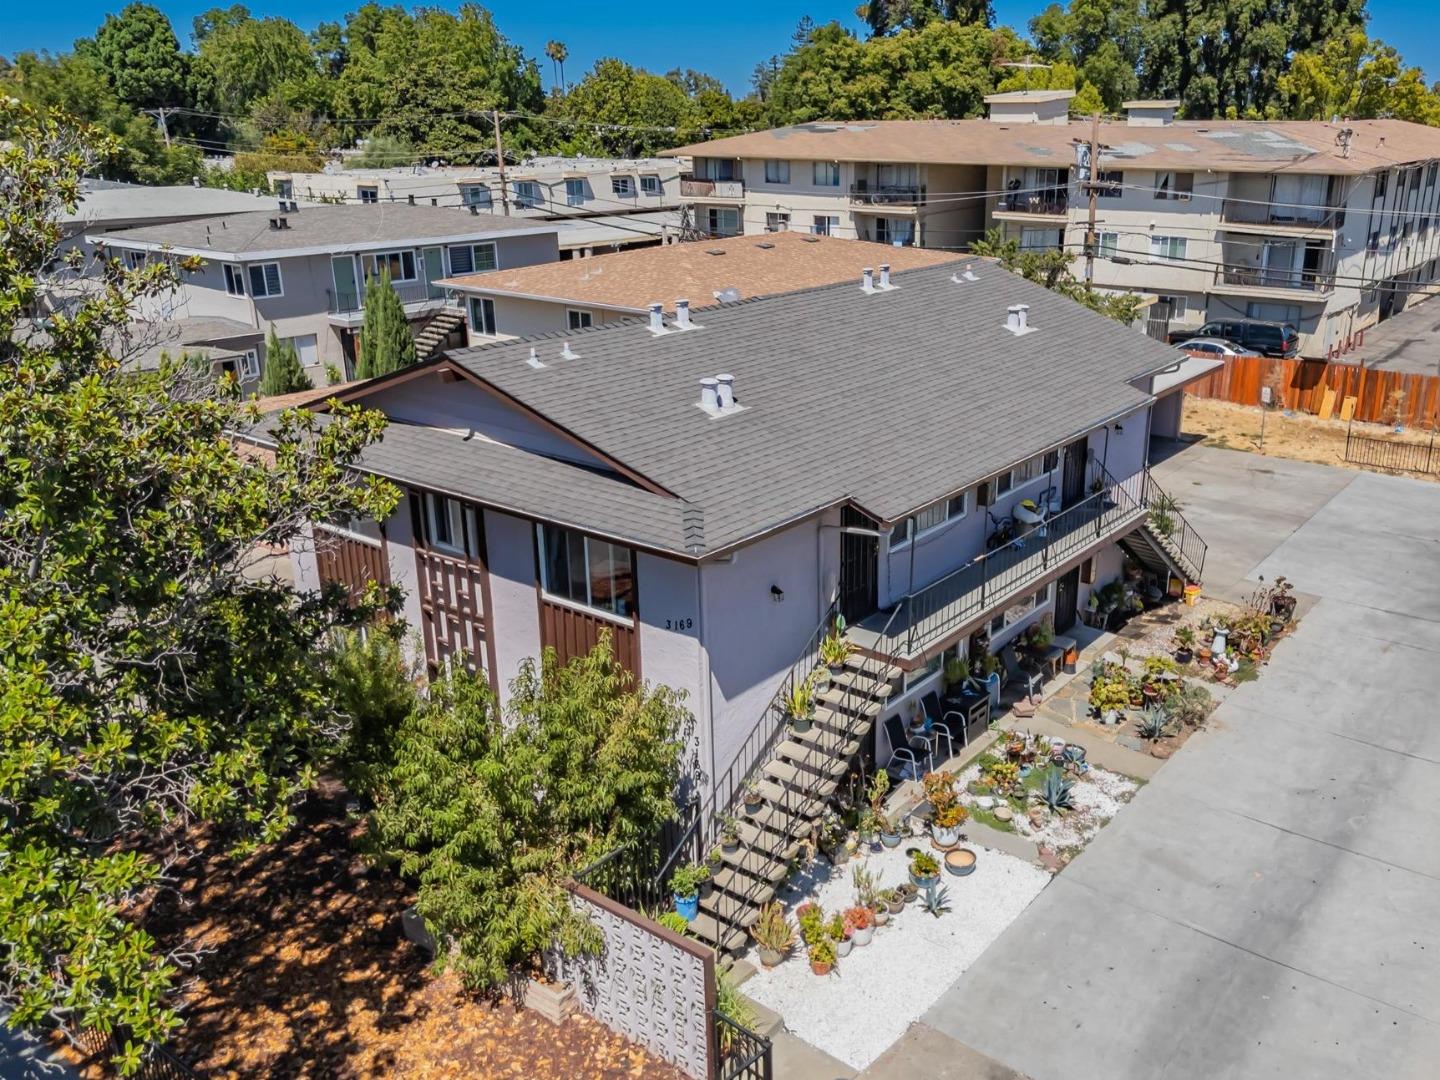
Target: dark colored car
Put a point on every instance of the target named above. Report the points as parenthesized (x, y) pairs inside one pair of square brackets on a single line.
[(1266, 338)]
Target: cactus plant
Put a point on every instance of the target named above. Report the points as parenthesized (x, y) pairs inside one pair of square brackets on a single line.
[(1055, 791), (1154, 723), (935, 900)]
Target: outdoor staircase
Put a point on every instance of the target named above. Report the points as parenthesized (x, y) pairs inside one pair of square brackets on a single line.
[(1163, 542), (796, 781), (437, 331)]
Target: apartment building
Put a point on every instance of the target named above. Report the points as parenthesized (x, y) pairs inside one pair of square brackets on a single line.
[(555, 297), (1330, 226), (302, 271), (711, 493)]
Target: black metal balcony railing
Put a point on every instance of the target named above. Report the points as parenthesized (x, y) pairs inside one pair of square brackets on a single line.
[(1261, 277), (1258, 212), (864, 194), (1054, 203), (352, 301)]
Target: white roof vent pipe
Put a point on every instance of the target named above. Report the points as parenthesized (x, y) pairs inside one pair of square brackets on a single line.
[(726, 389), (867, 280), (1017, 319), (710, 395), (657, 318), (885, 276), (682, 315)]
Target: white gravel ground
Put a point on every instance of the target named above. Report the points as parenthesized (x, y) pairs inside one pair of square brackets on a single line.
[(1098, 795), (876, 992)]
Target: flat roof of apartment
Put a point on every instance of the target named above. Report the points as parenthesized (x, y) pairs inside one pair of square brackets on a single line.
[(766, 265), (106, 200), (1301, 146), (320, 230), (891, 400)]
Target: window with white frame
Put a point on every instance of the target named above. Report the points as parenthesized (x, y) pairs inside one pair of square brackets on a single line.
[(1107, 245), (1174, 185), (250, 365), (1163, 248), (1178, 306), (650, 185), (1110, 184), (477, 195), (527, 193), (134, 260), (826, 224), (399, 264), (624, 186), (587, 571), (723, 221), (482, 315), (777, 222), (1040, 239), (471, 258), (1018, 610), (265, 279), (827, 174), (234, 280), (932, 517), (1026, 471), (368, 194), (450, 526), (777, 172), (575, 192), (578, 319)]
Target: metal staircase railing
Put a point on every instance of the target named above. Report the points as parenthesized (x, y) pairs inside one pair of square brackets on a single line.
[(1187, 547)]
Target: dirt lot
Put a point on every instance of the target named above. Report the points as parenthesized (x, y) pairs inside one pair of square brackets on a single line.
[(307, 975), (1294, 435)]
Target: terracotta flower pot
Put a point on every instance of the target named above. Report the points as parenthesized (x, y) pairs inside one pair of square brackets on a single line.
[(819, 968)]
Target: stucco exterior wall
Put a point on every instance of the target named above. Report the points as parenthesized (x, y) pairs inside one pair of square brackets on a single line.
[(671, 633), (514, 616)]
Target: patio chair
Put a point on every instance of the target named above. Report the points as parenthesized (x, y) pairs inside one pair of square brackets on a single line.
[(906, 752), (942, 723), (1028, 676)]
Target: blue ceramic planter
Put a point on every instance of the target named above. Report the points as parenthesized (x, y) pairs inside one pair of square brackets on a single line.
[(687, 907)]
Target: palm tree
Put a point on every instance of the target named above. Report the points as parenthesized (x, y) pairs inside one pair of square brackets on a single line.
[(557, 52)]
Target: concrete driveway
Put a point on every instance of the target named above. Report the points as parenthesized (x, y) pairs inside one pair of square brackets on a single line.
[(1269, 905), (1408, 342)]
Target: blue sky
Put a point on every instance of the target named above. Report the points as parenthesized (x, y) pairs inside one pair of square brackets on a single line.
[(727, 41)]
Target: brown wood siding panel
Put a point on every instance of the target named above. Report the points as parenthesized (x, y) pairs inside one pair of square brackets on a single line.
[(574, 633), (349, 562), (1302, 386), (452, 609)]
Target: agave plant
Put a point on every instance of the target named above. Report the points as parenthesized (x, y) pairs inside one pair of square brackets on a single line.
[(935, 900), (1054, 791), (1154, 723)]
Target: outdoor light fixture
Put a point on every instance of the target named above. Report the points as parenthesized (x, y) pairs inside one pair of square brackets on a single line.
[(777, 594)]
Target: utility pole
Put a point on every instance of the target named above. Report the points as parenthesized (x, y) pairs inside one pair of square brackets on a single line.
[(500, 161), (160, 115), (1091, 239)]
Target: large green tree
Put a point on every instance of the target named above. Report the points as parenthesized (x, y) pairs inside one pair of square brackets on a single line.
[(886, 16), (1356, 76), (247, 58), (641, 107), (140, 55), (1052, 269), (283, 373), (492, 811), (386, 343), (147, 681)]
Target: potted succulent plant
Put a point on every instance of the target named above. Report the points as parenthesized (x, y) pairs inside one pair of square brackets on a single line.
[(822, 956), (752, 797), (861, 921), (715, 860), (890, 830), (907, 891), (685, 884), (924, 870), (894, 899), (945, 827), (834, 651), (729, 834), (773, 934), (838, 930), (1184, 645), (800, 706)]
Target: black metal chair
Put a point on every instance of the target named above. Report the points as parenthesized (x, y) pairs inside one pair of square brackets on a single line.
[(905, 751), (1015, 672), (942, 724)]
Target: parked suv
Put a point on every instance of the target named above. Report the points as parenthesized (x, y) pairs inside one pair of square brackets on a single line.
[(1267, 338)]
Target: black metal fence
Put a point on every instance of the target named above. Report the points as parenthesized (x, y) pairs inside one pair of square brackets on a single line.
[(1391, 454), (638, 875), (101, 1047), (742, 1054)]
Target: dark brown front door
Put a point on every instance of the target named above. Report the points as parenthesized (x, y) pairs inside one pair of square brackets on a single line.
[(859, 558), (1067, 594), (1073, 485)]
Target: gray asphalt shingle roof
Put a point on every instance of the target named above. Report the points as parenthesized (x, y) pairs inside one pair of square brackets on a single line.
[(894, 399), (327, 227)]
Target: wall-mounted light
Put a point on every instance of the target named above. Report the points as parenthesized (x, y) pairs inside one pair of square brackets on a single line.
[(1119, 429), (777, 594)]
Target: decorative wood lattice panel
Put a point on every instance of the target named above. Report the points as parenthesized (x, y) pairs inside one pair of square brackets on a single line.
[(574, 633), (349, 561), (452, 608)]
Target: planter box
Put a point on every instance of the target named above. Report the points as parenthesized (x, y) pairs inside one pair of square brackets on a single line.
[(554, 1001)]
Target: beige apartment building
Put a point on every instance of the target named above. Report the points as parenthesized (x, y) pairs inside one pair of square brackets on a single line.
[(1329, 226)]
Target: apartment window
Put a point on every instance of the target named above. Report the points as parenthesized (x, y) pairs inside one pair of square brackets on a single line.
[(368, 194), (777, 222), (472, 258), (650, 185), (477, 195), (624, 186), (896, 231), (827, 174), (1178, 307), (250, 365), (1382, 184), (577, 319), (1025, 472), (586, 571), (234, 280), (930, 518), (134, 260), (1282, 313), (777, 172), (723, 221), (1040, 239), (575, 192), (826, 224), (1414, 172), (1174, 185), (1110, 185), (1018, 610), (527, 193), (1430, 174), (482, 315), (1107, 245), (400, 264), (450, 526), (265, 280), (1166, 247)]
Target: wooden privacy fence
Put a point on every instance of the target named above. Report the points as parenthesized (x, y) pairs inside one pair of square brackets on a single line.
[(1381, 397)]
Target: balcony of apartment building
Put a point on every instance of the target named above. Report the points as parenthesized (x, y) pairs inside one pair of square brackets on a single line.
[(1034, 195), (886, 188), (346, 304), (714, 180), (1282, 270), (1284, 205)]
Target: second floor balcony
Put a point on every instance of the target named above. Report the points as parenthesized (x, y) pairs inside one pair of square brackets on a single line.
[(1039, 203), (1270, 279), (863, 193), (712, 189), (1245, 215), (347, 305)]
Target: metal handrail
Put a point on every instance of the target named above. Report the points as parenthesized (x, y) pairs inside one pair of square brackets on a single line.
[(1189, 544), (739, 1052)]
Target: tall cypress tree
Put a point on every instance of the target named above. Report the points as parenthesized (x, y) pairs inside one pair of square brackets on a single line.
[(385, 341), (283, 373)]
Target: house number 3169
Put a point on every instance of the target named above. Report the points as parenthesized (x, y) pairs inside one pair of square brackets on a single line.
[(679, 624)]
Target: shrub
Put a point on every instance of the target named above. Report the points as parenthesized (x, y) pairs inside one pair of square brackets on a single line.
[(1055, 791), (686, 881), (373, 691)]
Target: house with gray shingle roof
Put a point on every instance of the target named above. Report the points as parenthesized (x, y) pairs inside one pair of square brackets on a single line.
[(941, 457)]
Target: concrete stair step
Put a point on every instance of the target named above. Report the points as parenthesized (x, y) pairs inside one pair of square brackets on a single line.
[(774, 845), (868, 665), (776, 816), (827, 757), (738, 911), (862, 684), (804, 780), (754, 864), (839, 700), (706, 928), (738, 883)]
